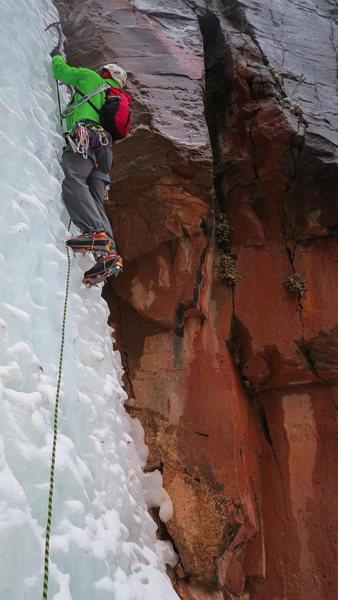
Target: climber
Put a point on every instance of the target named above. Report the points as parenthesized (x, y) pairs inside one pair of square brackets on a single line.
[(86, 161)]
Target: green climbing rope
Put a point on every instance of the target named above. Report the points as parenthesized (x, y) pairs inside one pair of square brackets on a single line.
[(52, 468)]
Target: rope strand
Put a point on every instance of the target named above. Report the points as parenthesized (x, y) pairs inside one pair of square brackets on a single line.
[(52, 468), (59, 101)]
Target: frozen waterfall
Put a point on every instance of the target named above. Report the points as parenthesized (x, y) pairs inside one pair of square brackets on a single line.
[(103, 541)]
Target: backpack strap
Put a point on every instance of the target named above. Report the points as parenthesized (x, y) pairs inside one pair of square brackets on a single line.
[(85, 98)]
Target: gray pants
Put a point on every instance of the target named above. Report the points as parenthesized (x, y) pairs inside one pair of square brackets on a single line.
[(83, 190)]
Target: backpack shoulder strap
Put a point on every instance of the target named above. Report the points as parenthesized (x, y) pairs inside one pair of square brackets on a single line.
[(85, 98)]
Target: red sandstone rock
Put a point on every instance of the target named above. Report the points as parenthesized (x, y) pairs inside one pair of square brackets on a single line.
[(236, 389), (303, 428)]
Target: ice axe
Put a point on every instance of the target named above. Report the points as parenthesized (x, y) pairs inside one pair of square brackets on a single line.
[(57, 24)]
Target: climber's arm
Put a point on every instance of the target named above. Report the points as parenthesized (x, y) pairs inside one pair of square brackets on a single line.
[(64, 72)]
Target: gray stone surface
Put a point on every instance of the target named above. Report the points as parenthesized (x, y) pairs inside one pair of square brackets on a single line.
[(160, 45), (162, 51), (300, 38)]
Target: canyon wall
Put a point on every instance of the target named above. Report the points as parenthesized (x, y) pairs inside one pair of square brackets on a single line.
[(224, 207)]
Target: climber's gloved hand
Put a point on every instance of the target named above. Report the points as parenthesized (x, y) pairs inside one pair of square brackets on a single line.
[(55, 52)]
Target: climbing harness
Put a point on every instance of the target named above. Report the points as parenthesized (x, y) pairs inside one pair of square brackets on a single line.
[(99, 137), (52, 468), (88, 135)]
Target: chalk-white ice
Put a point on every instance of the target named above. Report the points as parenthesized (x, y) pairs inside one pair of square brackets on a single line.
[(103, 541)]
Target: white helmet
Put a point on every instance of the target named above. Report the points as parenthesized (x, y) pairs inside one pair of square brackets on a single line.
[(118, 74)]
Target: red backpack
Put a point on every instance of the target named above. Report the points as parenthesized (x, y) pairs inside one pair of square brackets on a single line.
[(115, 114)]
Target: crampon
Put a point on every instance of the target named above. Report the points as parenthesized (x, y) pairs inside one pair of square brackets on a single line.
[(98, 243), (110, 264)]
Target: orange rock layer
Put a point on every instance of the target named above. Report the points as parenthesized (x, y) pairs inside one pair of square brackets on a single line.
[(236, 386)]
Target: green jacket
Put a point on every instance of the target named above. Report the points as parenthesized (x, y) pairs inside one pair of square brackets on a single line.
[(85, 80)]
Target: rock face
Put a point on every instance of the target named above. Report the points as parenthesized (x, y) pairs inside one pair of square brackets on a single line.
[(231, 172)]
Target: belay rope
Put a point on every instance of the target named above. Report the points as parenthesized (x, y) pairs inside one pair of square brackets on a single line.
[(52, 468)]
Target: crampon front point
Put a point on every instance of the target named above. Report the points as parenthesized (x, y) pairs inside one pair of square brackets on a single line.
[(108, 265)]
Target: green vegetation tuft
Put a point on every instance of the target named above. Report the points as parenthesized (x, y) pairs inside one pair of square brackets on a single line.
[(223, 229), (296, 284), (228, 270)]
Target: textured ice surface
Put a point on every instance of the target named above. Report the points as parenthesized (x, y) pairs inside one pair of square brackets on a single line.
[(103, 541)]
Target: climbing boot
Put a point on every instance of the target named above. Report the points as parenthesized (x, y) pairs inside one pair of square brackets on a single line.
[(98, 243), (110, 264)]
